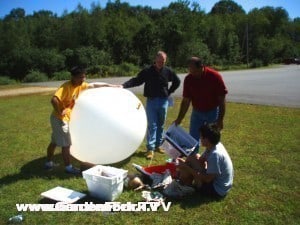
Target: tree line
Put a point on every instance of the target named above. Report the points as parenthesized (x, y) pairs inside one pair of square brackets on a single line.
[(118, 39)]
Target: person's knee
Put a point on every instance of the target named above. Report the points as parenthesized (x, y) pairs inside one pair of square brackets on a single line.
[(152, 124), (162, 118), (194, 161), (197, 156), (65, 149), (52, 145), (192, 158), (185, 177)]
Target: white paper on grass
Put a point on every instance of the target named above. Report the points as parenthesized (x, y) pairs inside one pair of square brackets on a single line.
[(61, 194), (107, 125)]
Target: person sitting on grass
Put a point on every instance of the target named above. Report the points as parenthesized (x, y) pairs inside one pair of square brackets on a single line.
[(63, 102), (212, 172)]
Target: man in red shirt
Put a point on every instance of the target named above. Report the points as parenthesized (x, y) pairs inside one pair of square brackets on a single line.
[(205, 89)]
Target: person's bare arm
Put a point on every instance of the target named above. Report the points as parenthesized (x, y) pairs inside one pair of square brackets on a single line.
[(135, 81), (55, 104), (100, 85), (184, 106), (222, 110)]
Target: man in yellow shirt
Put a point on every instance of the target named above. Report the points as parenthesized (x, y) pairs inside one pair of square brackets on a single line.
[(63, 102)]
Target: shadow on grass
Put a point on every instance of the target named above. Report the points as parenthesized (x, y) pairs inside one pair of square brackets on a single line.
[(194, 201), (35, 169), (121, 163), (140, 154)]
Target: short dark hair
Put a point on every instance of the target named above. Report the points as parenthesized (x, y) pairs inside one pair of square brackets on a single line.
[(77, 70), (211, 132), (195, 61)]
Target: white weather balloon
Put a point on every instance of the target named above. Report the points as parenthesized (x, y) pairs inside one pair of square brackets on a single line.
[(107, 125)]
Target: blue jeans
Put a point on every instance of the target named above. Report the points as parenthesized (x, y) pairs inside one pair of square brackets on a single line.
[(198, 119), (156, 110)]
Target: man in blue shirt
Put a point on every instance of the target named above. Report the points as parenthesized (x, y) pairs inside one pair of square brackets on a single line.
[(156, 79), (212, 172)]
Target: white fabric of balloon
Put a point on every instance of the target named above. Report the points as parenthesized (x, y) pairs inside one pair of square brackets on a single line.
[(107, 125)]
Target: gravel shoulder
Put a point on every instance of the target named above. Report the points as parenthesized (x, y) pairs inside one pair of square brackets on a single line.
[(25, 91)]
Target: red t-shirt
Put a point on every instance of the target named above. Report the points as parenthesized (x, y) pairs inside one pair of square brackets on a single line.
[(204, 91)]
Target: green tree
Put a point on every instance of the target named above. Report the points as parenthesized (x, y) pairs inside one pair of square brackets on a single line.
[(45, 29), (99, 38), (226, 7), (121, 27), (15, 14), (146, 42), (47, 61)]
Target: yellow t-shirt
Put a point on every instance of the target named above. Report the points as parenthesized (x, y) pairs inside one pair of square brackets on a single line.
[(67, 94)]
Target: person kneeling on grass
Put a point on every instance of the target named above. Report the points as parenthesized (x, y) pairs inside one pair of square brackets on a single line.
[(63, 102), (212, 172)]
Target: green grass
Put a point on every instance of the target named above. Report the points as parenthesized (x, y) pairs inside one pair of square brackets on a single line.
[(263, 143)]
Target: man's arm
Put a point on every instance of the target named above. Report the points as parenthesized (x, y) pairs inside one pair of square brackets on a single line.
[(175, 83), (100, 84), (136, 81), (184, 106), (222, 110)]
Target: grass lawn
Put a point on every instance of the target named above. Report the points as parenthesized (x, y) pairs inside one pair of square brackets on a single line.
[(263, 143)]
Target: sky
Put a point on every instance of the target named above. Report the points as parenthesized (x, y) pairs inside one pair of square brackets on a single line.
[(58, 6)]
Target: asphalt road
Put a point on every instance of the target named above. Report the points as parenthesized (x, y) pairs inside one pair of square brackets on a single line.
[(276, 86)]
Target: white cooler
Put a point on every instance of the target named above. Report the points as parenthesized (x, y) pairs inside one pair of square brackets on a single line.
[(105, 182)]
